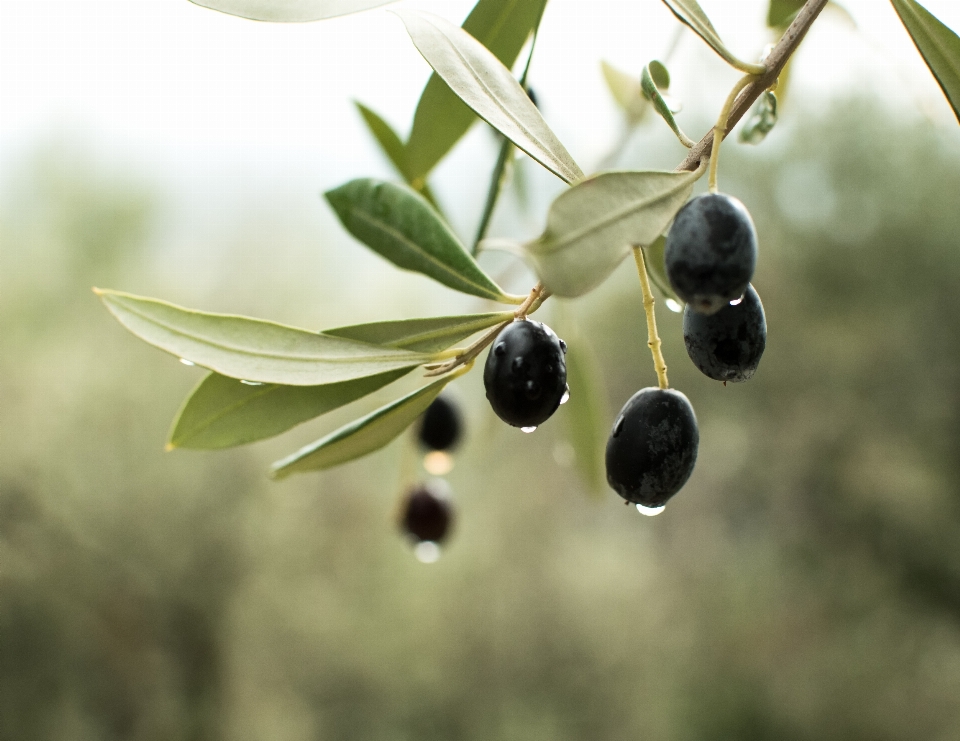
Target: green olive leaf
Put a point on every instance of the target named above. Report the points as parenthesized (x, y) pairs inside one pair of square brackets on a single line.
[(690, 13), (222, 412), (762, 119), (362, 436), (254, 349), (441, 119), (393, 147), (289, 11), (397, 223), (780, 13), (591, 226), (584, 412), (937, 44), (653, 258), (651, 91), (481, 81)]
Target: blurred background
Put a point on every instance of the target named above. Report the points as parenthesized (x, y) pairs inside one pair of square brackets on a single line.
[(804, 585)]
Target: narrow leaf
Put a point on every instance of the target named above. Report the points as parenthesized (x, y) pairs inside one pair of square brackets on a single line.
[(393, 147), (428, 335), (223, 412), (651, 92), (254, 349), (780, 13), (363, 436), (937, 44), (690, 13), (591, 226), (586, 418), (502, 26), (762, 119), (289, 11), (483, 83), (398, 224)]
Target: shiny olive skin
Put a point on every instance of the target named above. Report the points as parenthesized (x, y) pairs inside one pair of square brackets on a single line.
[(525, 375), (728, 345), (711, 252), (441, 425), (427, 513), (653, 447)]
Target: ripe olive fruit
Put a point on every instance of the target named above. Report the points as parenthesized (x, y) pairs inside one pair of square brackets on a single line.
[(652, 447), (728, 345), (525, 375), (427, 513), (441, 425), (711, 252)]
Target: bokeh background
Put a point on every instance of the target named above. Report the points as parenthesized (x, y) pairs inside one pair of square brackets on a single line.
[(804, 585)]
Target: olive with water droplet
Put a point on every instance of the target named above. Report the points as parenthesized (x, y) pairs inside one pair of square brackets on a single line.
[(711, 252), (728, 345), (441, 425), (427, 512), (653, 447), (525, 376)]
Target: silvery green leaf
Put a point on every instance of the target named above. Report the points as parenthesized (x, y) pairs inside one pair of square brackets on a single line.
[(289, 11), (222, 412), (254, 349), (690, 13), (651, 91), (397, 223), (586, 420), (362, 436), (502, 26), (762, 119), (592, 226), (481, 81), (937, 44), (653, 258), (626, 91)]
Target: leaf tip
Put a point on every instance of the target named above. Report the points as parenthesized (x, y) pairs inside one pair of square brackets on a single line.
[(170, 446)]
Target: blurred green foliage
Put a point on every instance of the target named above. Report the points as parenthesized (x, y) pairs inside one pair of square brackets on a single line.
[(805, 584)]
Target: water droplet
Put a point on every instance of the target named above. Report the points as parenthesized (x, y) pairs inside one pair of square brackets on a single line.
[(566, 396), (673, 305), (438, 463), (736, 301), (500, 348), (563, 347), (650, 511), (528, 430), (251, 383), (618, 426), (187, 362), (427, 551)]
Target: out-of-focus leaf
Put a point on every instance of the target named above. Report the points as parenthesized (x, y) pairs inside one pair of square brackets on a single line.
[(762, 119), (690, 13), (253, 349), (482, 82), (362, 436), (586, 418), (653, 258), (780, 13), (393, 147), (591, 226), (441, 118), (222, 412), (937, 44), (626, 91), (397, 223), (651, 91), (289, 11)]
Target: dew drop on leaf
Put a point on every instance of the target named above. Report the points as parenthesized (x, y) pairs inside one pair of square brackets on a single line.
[(187, 362), (251, 383)]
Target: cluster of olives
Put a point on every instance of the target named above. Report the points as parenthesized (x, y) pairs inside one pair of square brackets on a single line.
[(710, 256)]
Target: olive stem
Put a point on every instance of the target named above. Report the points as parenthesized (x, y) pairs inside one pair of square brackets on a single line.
[(653, 338), (720, 129)]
